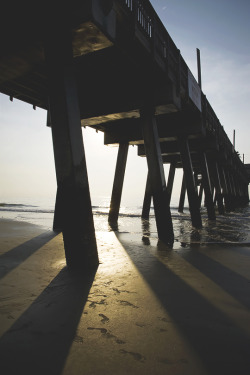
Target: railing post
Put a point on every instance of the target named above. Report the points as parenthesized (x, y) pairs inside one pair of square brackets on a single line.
[(178, 91), (154, 31), (135, 12)]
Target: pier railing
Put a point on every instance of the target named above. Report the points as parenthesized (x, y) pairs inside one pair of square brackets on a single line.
[(168, 57), (161, 44)]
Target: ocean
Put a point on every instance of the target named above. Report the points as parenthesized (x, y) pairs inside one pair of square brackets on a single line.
[(233, 227)]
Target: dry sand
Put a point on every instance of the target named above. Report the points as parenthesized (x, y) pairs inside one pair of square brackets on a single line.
[(146, 310)]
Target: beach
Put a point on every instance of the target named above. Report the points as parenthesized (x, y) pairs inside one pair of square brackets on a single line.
[(147, 309)]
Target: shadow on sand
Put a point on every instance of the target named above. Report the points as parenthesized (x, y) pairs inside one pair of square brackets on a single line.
[(222, 346), (14, 257), (39, 341), (233, 283)]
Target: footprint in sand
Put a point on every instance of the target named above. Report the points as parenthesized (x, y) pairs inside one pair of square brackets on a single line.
[(105, 319)]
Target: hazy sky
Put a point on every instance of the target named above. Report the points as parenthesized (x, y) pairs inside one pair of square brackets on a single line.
[(219, 28)]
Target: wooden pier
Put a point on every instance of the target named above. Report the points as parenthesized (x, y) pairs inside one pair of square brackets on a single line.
[(113, 66)]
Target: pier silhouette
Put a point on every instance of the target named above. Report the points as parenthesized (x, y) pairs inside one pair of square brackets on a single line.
[(112, 66)]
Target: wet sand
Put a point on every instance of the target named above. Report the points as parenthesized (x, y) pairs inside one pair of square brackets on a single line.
[(146, 310)]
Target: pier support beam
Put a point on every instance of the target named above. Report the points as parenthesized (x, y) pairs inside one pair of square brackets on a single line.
[(246, 192), (118, 183), (217, 184), (225, 187), (207, 186), (231, 179), (182, 195), (58, 212), (231, 199), (148, 191), (157, 178), (170, 183), (238, 189), (201, 194), (147, 200), (73, 208), (190, 182)]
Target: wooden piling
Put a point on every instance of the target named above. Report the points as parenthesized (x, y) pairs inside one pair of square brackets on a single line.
[(157, 178), (147, 200), (225, 188), (73, 208), (190, 183), (201, 194), (148, 191), (58, 212), (118, 183), (207, 186), (231, 195), (170, 183), (182, 195), (218, 189)]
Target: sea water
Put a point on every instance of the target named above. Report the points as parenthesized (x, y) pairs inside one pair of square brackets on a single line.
[(233, 227)]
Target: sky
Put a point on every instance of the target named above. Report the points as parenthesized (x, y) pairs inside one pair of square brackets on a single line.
[(219, 28)]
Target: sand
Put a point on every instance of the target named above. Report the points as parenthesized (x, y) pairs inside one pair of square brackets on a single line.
[(146, 310)]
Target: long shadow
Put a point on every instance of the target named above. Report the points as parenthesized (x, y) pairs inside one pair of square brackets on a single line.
[(241, 248), (222, 346), (233, 283), (14, 257), (39, 341)]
